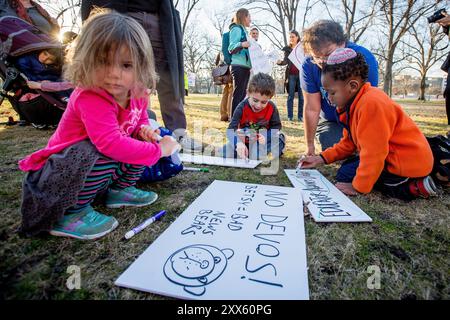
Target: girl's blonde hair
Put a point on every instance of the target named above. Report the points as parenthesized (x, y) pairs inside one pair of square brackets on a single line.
[(103, 33), (240, 15)]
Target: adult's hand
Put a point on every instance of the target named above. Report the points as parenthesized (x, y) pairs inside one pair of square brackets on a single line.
[(310, 150), (245, 44)]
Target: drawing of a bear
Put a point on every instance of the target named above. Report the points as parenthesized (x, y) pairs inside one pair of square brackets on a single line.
[(196, 266)]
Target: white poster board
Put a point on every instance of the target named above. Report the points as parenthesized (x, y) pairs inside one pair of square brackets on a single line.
[(260, 63), (297, 56), (235, 241), (325, 202), (219, 161)]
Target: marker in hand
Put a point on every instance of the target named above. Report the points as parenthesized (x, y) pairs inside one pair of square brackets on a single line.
[(144, 224)]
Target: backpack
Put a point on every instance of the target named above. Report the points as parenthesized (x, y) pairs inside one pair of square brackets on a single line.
[(440, 146), (226, 44)]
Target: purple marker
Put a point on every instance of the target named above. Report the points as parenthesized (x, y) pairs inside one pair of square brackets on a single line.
[(144, 224)]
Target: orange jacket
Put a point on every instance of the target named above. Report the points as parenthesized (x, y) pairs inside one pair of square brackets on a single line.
[(385, 138)]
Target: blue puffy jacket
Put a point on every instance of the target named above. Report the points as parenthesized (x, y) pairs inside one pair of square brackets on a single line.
[(34, 70)]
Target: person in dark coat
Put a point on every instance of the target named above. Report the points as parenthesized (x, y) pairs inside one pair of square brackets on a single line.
[(292, 78), (162, 23)]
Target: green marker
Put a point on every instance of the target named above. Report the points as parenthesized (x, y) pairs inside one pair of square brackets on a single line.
[(196, 169)]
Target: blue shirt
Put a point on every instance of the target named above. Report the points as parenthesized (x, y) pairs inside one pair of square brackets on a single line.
[(311, 82)]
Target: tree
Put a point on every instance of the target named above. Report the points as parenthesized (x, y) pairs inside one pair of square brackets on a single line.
[(67, 12), (427, 48), (221, 20), (199, 51), (398, 17), (358, 16), (186, 11)]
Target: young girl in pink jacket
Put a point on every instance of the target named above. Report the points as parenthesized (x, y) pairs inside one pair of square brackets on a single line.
[(103, 141)]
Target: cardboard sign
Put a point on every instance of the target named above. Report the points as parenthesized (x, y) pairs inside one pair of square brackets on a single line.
[(235, 241), (325, 202), (219, 161), (260, 62), (297, 56)]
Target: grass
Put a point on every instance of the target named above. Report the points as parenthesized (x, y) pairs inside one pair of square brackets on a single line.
[(408, 242)]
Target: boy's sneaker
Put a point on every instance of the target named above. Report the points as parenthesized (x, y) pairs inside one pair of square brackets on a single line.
[(87, 225), (423, 187), (129, 197)]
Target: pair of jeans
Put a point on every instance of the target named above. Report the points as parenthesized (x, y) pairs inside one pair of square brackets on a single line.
[(241, 75), (293, 85), (388, 184)]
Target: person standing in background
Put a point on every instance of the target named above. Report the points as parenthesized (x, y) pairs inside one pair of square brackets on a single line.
[(254, 33), (162, 23), (292, 78), (240, 58)]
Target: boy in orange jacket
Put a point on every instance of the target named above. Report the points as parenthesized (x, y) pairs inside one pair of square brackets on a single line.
[(394, 156)]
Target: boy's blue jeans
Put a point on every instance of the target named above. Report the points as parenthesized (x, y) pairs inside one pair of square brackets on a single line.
[(275, 144)]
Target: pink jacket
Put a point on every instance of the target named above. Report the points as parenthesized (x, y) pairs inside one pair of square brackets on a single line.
[(93, 114)]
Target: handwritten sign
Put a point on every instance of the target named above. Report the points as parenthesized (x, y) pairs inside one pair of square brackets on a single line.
[(260, 62), (219, 161), (235, 241), (325, 202), (297, 56)]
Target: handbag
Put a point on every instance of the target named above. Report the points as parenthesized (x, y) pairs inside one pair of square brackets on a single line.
[(221, 75)]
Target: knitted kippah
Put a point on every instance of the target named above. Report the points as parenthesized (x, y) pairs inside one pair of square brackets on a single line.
[(341, 55)]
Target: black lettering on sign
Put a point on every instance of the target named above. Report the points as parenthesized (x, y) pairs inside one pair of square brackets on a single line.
[(205, 222)]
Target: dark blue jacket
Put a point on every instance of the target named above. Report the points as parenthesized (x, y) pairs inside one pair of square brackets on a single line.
[(34, 70)]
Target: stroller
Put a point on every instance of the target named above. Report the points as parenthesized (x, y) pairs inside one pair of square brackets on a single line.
[(18, 37)]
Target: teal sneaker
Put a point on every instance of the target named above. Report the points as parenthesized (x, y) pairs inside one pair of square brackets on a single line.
[(129, 197), (87, 225)]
